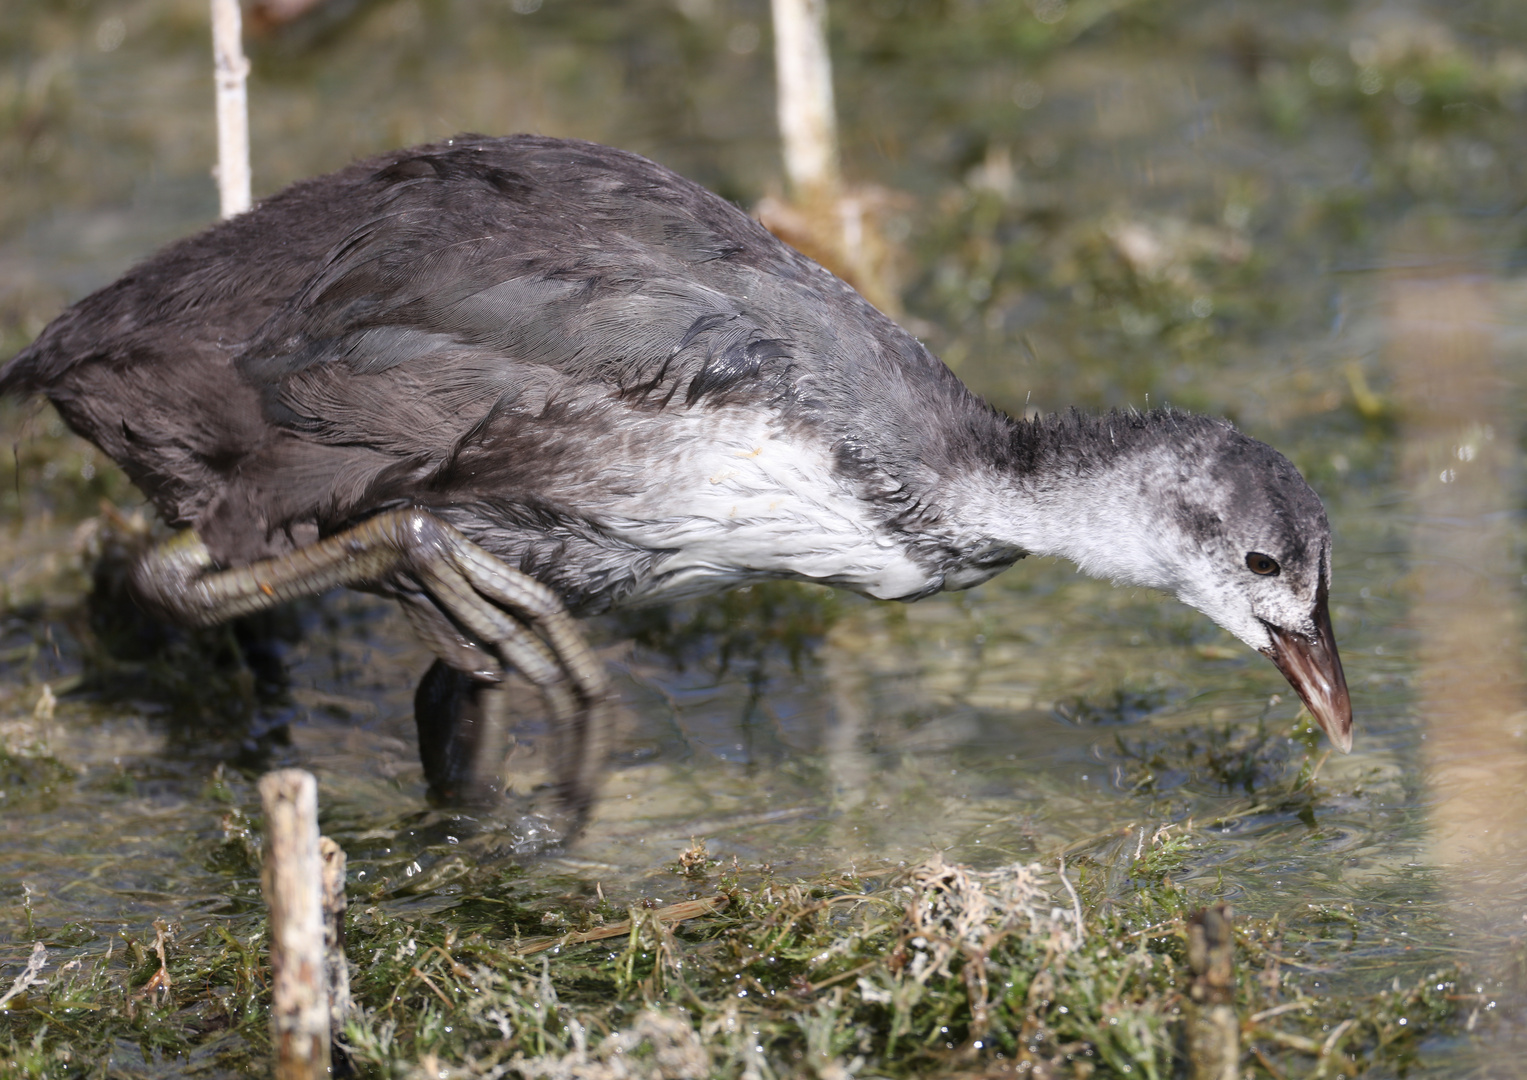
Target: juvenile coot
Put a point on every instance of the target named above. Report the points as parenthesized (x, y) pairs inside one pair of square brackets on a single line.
[(507, 379)]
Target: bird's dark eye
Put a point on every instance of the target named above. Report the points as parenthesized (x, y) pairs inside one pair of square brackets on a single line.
[(1258, 563)]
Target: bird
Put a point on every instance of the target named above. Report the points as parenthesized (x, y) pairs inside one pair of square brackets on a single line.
[(512, 381)]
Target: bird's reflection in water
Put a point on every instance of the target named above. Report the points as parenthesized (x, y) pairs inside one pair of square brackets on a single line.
[(1458, 462)]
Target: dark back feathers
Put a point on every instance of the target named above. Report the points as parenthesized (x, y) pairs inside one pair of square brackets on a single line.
[(387, 334)]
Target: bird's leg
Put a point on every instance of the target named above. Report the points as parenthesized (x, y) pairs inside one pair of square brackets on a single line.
[(463, 735), (476, 613)]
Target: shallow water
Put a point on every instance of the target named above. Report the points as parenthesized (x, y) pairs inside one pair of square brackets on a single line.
[(1301, 216)]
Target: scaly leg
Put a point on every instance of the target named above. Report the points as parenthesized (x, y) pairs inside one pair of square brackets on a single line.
[(477, 614), (463, 735)]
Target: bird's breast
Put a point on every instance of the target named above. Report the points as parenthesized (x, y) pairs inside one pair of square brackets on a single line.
[(730, 496)]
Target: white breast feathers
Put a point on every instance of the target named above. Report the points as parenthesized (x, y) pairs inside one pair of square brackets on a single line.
[(730, 496)]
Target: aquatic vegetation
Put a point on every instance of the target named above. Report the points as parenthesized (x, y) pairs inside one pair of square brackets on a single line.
[(30, 776), (480, 966), (934, 969)]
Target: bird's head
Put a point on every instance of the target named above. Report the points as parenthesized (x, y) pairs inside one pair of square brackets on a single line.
[(1254, 554), (1226, 523)]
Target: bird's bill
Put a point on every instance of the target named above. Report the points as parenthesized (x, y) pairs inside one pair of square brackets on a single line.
[(1313, 669)]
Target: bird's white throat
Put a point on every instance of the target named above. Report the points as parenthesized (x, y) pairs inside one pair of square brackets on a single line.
[(1107, 520)]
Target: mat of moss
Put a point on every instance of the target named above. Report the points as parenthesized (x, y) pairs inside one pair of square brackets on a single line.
[(937, 969)]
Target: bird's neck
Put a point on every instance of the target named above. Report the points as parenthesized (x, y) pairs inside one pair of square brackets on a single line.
[(1093, 490), (1101, 522)]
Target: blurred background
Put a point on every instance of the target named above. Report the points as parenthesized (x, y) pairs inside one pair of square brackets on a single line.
[(1304, 215)]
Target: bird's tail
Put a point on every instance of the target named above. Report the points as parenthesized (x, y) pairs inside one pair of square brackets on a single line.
[(18, 377), (40, 365)]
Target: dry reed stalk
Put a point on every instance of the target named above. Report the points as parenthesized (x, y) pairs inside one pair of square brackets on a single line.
[(807, 120), (1213, 1031), (673, 913), (230, 73), (293, 880), (838, 226)]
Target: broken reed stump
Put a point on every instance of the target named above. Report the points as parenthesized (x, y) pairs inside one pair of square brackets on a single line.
[(1213, 1032), (294, 880)]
